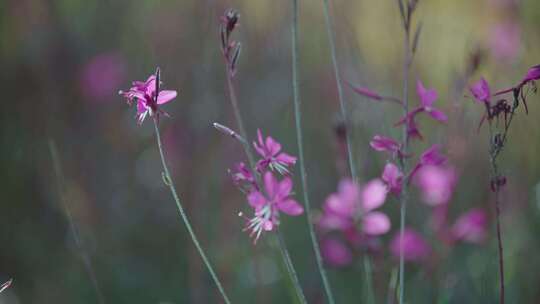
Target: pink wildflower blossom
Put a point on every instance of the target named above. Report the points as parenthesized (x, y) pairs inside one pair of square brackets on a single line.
[(436, 184), (471, 227), (393, 178), (384, 144), (415, 248), (243, 178), (335, 252), (430, 157), (148, 96), (267, 205), (270, 149), (427, 98), (481, 92), (351, 204)]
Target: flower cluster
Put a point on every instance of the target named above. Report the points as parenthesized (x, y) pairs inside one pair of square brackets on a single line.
[(147, 96), (351, 211), (272, 196)]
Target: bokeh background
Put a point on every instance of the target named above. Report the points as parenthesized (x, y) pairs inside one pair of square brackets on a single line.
[(63, 62)]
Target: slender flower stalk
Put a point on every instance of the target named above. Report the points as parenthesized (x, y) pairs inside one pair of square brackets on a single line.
[(72, 225), (290, 268), (406, 13), (231, 52), (352, 165), (169, 182), (300, 142)]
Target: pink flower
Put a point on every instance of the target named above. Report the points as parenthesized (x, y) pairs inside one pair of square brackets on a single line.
[(436, 184), (393, 178), (335, 252), (430, 157), (242, 177), (270, 149), (532, 74), (147, 97), (471, 227), (351, 204), (268, 205), (427, 98), (480, 90), (384, 144), (414, 247), (101, 75)]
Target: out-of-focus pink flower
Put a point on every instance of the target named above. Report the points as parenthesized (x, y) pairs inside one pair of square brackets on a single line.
[(268, 205), (101, 75), (269, 150), (351, 204), (384, 144), (436, 183), (147, 97), (335, 252), (480, 90), (471, 227), (532, 74), (505, 41), (415, 248), (393, 178), (430, 157)]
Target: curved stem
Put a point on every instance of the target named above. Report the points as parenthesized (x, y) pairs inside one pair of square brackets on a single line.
[(290, 268), (299, 139), (72, 225), (169, 182), (352, 165), (405, 139)]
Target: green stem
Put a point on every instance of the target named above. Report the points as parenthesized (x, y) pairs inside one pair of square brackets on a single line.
[(352, 165), (290, 268), (72, 225), (299, 137), (169, 182)]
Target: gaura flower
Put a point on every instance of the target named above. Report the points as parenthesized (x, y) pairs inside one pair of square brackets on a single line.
[(471, 227), (243, 178), (481, 92), (427, 98), (148, 96), (415, 248), (436, 184), (393, 178), (431, 157), (335, 252), (351, 206), (270, 149), (384, 144), (268, 205)]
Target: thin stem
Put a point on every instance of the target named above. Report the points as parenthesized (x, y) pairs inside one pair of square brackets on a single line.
[(299, 139), (331, 40), (239, 121), (368, 273), (500, 246), (72, 225), (405, 138), (169, 182), (352, 165), (290, 268)]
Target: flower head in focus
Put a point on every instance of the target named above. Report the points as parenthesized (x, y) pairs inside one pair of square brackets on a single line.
[(269, 149), (393, 178), (147, 96), (268, 205)]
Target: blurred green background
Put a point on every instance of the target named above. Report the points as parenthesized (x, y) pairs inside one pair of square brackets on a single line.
[(62, 63)]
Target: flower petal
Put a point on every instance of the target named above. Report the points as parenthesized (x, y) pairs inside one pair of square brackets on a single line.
[(272, 146), (375, 223), (290, 207), (256, 199), (284, 188), (165, 96), (438, 115), (270, 184), (335, 252), (373, 195)]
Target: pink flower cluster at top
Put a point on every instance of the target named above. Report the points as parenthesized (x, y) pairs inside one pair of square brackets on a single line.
[(148, 96), (273, 196)]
